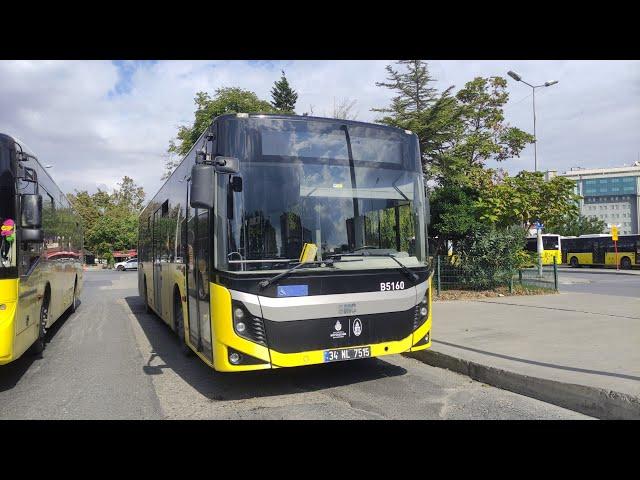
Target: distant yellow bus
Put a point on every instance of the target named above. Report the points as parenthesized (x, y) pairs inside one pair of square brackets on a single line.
[(599, 250), (40, 252), (551, 245)]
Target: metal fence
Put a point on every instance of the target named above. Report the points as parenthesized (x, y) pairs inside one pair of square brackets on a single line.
[(453, 273)]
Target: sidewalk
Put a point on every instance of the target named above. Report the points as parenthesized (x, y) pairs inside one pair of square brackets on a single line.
[(584, 269), (577, 350)]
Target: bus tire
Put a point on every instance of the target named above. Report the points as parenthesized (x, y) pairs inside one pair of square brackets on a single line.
[(147, 308), (574, 262), (178, 323), (74, 301), (39, 344), (625, 263)]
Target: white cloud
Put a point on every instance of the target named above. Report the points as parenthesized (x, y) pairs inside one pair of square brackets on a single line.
[(96, 122)]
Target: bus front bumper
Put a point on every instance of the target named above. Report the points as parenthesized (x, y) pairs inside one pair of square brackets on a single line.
[(234, 358)]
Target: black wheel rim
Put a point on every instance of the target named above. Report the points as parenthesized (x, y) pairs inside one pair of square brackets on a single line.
[(44, 315)]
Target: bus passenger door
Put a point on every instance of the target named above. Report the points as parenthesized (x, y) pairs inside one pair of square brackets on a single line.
[(198, 250), (599, 250), (157, 265)]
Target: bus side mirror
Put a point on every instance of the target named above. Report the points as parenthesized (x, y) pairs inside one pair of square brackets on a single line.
[(31, 218), (201, 195)]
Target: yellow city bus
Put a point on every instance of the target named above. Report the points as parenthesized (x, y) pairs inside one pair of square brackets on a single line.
[(551, 248), (40, 252), (599, 250), (282, 241)]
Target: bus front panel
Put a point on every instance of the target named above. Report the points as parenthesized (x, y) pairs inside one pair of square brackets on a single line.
[(300, 330)]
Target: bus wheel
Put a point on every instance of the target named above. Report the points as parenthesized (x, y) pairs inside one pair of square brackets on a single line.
[(574, 262), (74, 303), (147, 309), (625, 263), (38, 345), (178, 323)]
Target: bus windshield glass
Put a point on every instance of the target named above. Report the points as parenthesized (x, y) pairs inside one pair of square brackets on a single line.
[(7, 216), (348, 188)]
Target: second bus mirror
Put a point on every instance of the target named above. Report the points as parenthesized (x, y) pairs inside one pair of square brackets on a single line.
[(31, 212), (31, 218), (201, 195)]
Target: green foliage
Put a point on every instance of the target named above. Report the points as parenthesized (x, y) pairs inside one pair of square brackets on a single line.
[(482, 133), (110, 220), (283, 97), (525, 198), (453, 213), (490, 257), (576, 226), (225, 100), (458, 133), (414, 94)]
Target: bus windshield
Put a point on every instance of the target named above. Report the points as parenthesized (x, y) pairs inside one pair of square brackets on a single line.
[(7, 216), (347, 188)]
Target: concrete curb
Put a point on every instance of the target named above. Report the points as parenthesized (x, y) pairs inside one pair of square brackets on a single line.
[(595, 402), (588, 270)]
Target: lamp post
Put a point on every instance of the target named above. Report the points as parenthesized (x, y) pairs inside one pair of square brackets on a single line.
[(518, 78)]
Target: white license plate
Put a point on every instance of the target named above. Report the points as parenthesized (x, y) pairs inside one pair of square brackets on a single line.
[(341, 354)]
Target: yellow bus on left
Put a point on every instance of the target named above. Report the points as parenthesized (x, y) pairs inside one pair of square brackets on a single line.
[(41, 244)]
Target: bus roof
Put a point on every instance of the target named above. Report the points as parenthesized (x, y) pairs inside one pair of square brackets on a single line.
[(280, 116)]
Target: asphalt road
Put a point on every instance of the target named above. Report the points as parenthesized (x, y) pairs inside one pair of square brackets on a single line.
[(604, 282), (110, 360)]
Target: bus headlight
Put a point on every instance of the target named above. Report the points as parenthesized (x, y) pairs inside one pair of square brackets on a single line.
[(421, 312), (247, 326)]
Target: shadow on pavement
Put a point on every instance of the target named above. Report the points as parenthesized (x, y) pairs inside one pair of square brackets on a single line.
[(11, 373), (243, 385)]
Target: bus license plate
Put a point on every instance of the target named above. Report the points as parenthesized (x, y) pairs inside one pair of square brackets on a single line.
[(338, 355)]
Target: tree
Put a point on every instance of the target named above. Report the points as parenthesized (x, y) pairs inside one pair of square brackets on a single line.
[(457, 133), (576, 226), (225, 100), (283, 97), (454, 215), (129, 196), (417, 107), (414, 93), (344, 109), (110, 221), (524, 199), (478, 131)]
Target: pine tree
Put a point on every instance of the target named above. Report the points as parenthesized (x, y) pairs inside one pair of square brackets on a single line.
[(284, 97), (412, 85)]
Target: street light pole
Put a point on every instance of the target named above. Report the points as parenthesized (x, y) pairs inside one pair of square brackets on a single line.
[(518, 78), (535, 139)]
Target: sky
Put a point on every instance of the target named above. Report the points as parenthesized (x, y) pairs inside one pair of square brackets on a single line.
[(96, 121)]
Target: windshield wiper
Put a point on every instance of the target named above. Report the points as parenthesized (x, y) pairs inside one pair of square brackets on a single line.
[(328, 262), (403, 267), (269, 281)]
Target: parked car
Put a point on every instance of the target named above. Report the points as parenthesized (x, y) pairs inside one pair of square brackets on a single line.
[(131, 264)]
